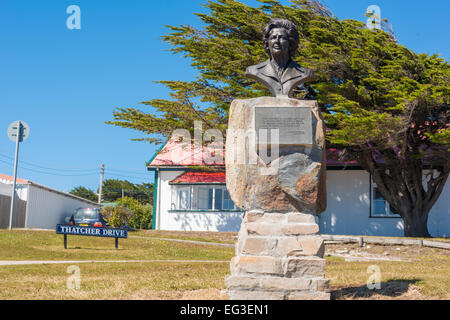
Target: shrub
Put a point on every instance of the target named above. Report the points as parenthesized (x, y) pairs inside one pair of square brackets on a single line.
[(117, 216), (142, 214)]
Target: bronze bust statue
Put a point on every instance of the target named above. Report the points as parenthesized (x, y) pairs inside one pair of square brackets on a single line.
[(280, 74)]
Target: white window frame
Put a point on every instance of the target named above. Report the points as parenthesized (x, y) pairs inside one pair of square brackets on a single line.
[(177, 201), (194, 197), (205, 188), (387, 208)]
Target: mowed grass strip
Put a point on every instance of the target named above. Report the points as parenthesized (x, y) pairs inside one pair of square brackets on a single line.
[(204, 236), (156, 280), (47, 245), (174, 280), (426, 277)]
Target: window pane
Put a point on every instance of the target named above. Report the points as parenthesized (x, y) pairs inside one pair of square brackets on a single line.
[(183, 199), (393, 212), (86, 213), (227, 202), (173, 202), (218, 199), (205, 198), (210, 199), (194, 198), (379, 208), (376, 194)]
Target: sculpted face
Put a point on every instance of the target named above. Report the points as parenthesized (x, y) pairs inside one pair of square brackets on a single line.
[(278, 42), (280, 73)]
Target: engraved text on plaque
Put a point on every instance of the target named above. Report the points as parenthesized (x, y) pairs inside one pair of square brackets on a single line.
[(294, 124)]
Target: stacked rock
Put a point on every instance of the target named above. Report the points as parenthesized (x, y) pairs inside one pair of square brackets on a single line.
[(278, 256)]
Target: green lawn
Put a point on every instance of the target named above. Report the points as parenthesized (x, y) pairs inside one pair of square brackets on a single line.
[(399, 280), (426, 277), (114, 281), (206, 236), (47, 245)]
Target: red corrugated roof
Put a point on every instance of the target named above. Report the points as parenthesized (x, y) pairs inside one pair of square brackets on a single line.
[(9, 178), (181, 154), (200, 177), (185, 155)]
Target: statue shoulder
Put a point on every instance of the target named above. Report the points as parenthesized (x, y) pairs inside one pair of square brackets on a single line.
[(308, 72), (252, 70)]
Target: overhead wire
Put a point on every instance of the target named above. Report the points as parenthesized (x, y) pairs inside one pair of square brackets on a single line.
[(31, 166), (50, 173), (124, 176), (125, 171), (48, 168)]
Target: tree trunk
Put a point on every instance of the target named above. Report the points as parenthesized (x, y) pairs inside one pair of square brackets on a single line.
[(415, 224), (401, 183), (416, 229)]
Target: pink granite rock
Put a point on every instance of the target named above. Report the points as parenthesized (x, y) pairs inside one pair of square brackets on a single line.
[(292, 181)]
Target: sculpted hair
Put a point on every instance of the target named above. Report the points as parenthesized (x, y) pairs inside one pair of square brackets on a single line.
[(291, 30)]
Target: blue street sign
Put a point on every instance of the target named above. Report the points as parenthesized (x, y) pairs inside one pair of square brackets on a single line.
[(91, 231)]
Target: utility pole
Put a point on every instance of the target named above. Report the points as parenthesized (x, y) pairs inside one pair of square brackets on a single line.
[(18, 131), (16, 158), (101, 184)]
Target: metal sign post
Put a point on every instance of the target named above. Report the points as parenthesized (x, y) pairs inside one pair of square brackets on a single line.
[(18, 131)]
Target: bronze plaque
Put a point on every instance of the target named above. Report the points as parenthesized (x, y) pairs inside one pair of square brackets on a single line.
[(294, 124)]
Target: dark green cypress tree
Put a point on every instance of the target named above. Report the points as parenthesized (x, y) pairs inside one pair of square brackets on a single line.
[(384, 105)]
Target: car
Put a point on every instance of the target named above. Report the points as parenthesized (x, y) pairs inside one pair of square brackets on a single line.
[(88, 217)]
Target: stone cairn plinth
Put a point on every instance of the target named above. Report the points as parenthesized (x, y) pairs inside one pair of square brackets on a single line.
[(279, 253), (279, 256)]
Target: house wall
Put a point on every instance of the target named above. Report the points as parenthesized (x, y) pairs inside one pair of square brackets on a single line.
[(21, 189), (46, 209), (20, 207), (20, 204), (439, 218), (5, 189), (191, 221), (348, 209)]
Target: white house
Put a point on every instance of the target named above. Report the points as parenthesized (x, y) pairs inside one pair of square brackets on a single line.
[(191, 195), (39, 206)]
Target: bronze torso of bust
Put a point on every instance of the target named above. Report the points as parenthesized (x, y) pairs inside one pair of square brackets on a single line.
[(280, 74), (291, 77)]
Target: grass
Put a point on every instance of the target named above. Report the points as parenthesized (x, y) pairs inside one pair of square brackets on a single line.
[(114, 281), (47, 245), (204, 236), (399, 280), (426, 277), (151, 280)]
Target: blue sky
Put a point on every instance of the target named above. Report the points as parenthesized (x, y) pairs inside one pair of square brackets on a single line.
[(66, 83)]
